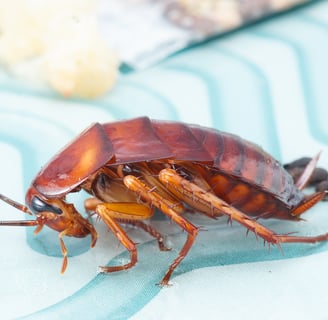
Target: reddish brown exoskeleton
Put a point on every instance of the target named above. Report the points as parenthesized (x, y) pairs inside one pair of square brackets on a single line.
[(130, 167)]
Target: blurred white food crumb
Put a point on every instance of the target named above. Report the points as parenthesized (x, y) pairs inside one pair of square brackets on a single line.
[(21, 32), (85, 67), (64, 35)]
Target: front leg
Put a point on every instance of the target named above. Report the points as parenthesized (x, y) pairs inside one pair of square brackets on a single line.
[(121, 236), (111, 214)]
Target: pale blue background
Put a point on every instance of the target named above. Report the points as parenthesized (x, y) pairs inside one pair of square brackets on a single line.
[(267, 83)]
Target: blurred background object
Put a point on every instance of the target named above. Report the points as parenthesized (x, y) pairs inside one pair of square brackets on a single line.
[(76, 47)]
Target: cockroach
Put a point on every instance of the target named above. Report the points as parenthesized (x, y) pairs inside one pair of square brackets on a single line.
[(132, 167)]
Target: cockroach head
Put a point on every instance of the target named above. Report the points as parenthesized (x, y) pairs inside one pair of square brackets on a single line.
[(59, 215)]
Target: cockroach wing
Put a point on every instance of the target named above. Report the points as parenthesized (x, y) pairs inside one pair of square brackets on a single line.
[(142, 139), (75, 163), (180, 139), (135, 140)]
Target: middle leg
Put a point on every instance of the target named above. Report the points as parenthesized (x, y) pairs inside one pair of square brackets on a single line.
[(154, 198)]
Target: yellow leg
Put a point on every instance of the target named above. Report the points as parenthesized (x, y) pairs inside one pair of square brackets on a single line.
[(130, 213), (121, 235), (126, 212)]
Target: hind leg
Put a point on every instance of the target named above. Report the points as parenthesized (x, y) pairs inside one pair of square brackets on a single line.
[(184, 189)]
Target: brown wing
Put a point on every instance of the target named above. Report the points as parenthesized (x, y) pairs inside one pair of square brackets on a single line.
[(75, 163), (180, 139), (142, 139), (135, 140)]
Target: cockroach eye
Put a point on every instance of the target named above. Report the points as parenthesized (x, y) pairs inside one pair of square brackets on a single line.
[(37, 206)]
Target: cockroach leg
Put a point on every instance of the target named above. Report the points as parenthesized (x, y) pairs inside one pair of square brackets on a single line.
[(38, 229), (301, 239), (125, 213), (90, 204), (64, 251), (122, 210), (157, 200), (185, 189), (121, 235), (173, 180), (149, 229)]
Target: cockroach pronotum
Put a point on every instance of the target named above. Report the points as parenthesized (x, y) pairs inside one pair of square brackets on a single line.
[(132, 167)]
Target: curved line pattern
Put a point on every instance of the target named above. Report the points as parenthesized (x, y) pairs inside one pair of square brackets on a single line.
[(148, 90), (307, 85), (108, 104), (264, 92), (213, 90), (139, 283), (105, 296)]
